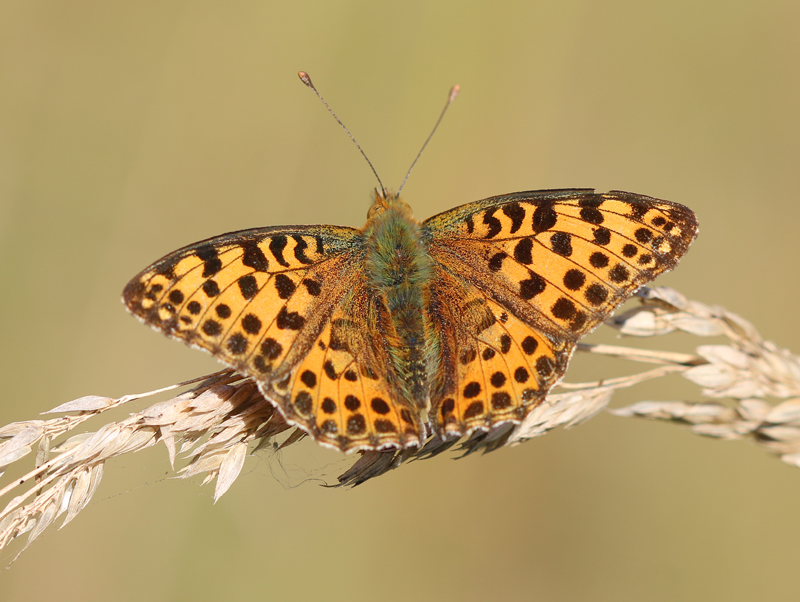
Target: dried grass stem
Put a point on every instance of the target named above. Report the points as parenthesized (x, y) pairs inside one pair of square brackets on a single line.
[(216, 422)]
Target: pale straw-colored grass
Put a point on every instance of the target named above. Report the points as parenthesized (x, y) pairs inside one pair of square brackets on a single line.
[(216, 423)]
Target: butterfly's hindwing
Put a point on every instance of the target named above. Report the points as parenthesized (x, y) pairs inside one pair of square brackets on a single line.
[(495, 366), (340, 391)]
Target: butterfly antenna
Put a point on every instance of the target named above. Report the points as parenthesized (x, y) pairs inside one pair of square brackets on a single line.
[(450, 98), (307, 81)]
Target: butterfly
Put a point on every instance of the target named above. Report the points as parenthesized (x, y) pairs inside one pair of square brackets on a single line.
[(381, 337)]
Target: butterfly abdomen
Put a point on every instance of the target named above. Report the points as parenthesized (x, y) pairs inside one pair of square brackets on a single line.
[(400, 269)]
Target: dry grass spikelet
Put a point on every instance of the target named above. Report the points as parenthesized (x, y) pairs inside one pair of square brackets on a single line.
[(214, 424)]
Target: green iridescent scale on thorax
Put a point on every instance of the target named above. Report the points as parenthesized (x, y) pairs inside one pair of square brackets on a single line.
[(400, 272)]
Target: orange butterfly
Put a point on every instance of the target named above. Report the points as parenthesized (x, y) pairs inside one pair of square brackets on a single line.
[(377, 338)]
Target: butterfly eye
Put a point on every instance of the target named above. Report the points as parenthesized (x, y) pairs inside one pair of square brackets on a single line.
[(377, 208)]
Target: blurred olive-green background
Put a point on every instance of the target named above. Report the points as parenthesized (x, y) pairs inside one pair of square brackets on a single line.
[(129, 129)]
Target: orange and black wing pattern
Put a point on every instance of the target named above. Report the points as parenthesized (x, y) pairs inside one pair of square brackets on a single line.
[(522, 277)]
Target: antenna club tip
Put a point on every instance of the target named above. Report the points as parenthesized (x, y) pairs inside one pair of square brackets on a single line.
[(453, 92), (305, 78)]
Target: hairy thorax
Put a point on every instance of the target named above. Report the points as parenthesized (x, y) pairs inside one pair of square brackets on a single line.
[(399, 270)]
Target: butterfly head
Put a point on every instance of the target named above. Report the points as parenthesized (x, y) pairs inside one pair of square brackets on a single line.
[(384, 200)]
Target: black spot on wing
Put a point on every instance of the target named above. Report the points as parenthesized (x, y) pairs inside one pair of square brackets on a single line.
[(237, 344), (379, 406), (261, 365), (385, 426), (638, 209), (248, 286), (356, 425), (211, 261), (211, 288), (494, 224), (212, 328), (312, 286), (629, 250), (522, 251), (529, 345), (596, 294), (544, 218), (474, 410), (496, 261), (619, 273), (643, 235), (271, 348), (303, 403), (516, 213), (300, 250), (166, 268), (563, 309), (591, 215), (498, 379), (309, 379), (500, 400), (470, 225), (592, 201), (578, 321), (472, 389), (289, 320), (284, 286), (251, 324), (598, 260), (602, 236), (574, 279), (329, 428), (276, 247), (561, 243), (531, 287), (545, 366), (448, 405), (254, 257)]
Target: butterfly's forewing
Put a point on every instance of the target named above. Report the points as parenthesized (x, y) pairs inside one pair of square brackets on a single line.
[(255, 299), (556, 263)]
